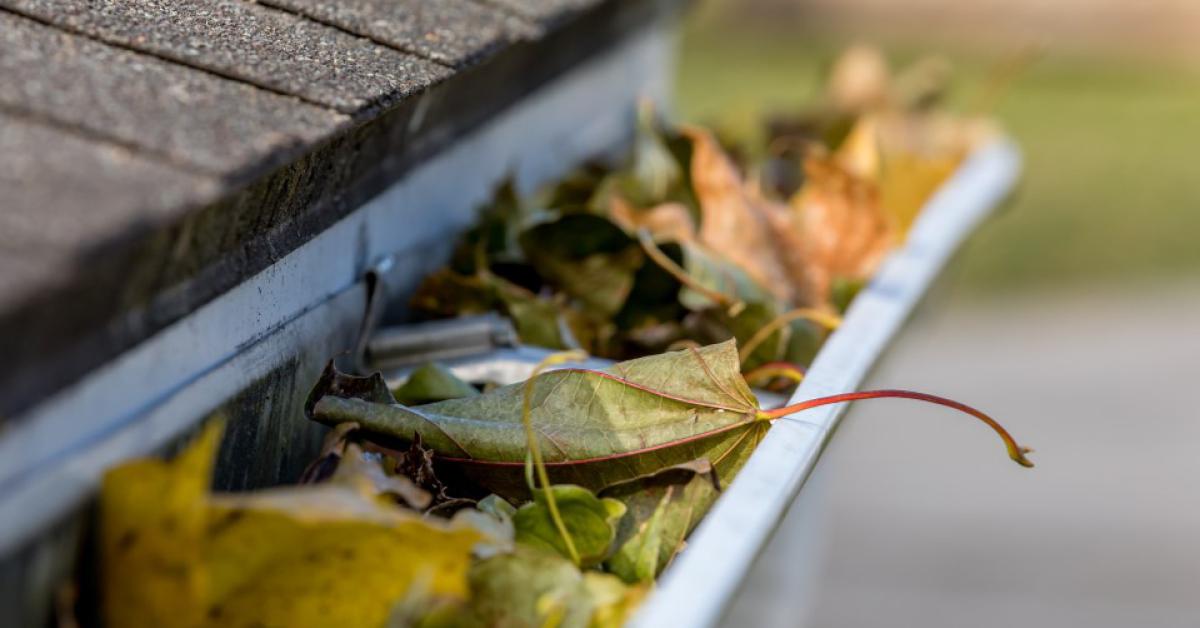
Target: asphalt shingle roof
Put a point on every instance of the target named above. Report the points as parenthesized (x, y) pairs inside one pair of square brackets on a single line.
[(144, 143)]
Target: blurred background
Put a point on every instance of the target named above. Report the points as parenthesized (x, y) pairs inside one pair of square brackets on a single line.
[(1073, 316)]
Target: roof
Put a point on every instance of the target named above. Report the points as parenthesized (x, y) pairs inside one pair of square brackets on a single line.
[(154, 153)]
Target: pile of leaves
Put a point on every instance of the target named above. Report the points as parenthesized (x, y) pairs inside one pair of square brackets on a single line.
[(553, 502), (558, 501), (685, 245)]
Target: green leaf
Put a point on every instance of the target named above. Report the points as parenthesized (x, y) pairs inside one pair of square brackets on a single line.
[(596, 428), (497, 507), (747, 322), (590, 521), (448, 293), (654, 167), (496, 233), (538, 320), (716, 273), (429, 383), (843, 290), (804, 340), (533, 588), (587, 257), (662, 510)]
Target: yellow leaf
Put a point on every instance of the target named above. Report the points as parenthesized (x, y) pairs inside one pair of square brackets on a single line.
[(324, 555), (858, 154), (152, 521), (907, 182)]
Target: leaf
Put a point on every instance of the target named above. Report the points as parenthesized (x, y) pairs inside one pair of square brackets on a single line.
[(532, 588), (668, 222), (416, 463), (663, 509), (734, 223), (654, 166), (843, 231), (590, 521), (432, 382), (153, 516), (324, 558), (746, 323), (449, 293), (587, 257), (907, 183), (318, 555), (717, 325), (843, 292), (497, 507), (595, 427), (859, 80), (538, 320), (414, 482), (707, 282), (333, 447), (655, 175), (495, 235), (362, 472), (718, 275)]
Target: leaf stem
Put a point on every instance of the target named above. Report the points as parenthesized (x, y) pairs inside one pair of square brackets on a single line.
[(675, 270), (535, 451), (820, 317), (1015, 451), (775, 369)]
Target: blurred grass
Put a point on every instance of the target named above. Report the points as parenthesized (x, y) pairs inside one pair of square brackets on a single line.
[(1111, 190)]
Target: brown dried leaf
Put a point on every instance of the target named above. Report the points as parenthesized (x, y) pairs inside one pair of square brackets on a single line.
[(416, 464), (333, 449), (734, 221), (367, 476), (844, 231)]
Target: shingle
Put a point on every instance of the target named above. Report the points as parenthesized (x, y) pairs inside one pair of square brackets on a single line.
[(189, 116), (64, 193), (544, 11), (454, 32), (257, 44)]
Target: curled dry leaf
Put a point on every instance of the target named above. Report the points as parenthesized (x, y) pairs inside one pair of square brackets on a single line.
[(416, 463), (333, 448), (414, 483), (595, 428), (733, 221), (362, 471)]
